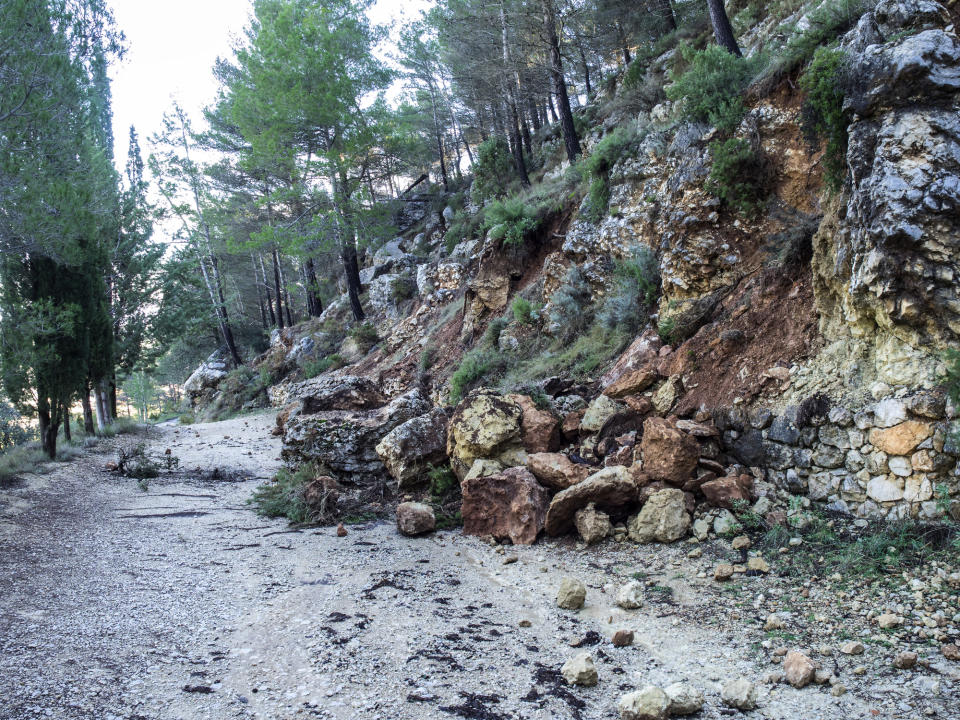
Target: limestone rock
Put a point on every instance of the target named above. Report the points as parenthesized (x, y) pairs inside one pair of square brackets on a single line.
[(905, 660), (723, 571), (482, 426), (410, 449), (415, 518), (580, 670), (667, 395), (510, 505), (556, 471), (887, 621), (884, 489), (901, 439), (571, 594), (598, 412), (798, 669), (663, 518), (684, 698), (207, 376), (622, 638), (668, 454), (483, 467), (328, 392), (630, 596), (612, 487), (344, 441), (592, 524), (852, 647), (740, 694), (650, 703)]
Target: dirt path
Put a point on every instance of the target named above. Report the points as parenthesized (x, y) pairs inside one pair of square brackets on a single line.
[(179, 602)]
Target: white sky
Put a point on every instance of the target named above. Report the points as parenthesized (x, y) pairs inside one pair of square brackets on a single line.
[(172, 46)]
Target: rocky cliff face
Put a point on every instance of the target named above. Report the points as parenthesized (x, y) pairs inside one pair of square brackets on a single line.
[(886, 257)]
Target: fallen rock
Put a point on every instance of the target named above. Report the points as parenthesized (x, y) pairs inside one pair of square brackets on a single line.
[(724, 492), (571, 594), (632, 383), (630, 596), (345, 392), (410, 449), (510, 505), (773, 621), (580, 670), (622, 638), (556, 471), (663, 518), (684, 699), (341, 530), (905, 660), (741, 542), (740, 694), (612, 487), (592, 524), (723, 571), (798, 669), (598, 412), (415, 518), (483, 426), (668, 454), (484, 467), (539, 429), (650, 703), (852, 647), (950, 651), (889, 620), (758, 564)]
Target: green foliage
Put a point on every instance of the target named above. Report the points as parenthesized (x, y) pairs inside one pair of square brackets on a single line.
[(823, 116), (711, 87), (427, 358), (365, 333), (442, 481), (604, 156), (666, 328), (492, 170), (569, 313), (737, 175), (523, 310), (402, 289), (464, 226), (637, 280), (312, 368), (511, 220), (284, 495), (14, 429), (187, 419), (474, 366), (19, 460)]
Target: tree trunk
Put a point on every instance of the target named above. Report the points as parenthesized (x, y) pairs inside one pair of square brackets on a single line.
[(87, 412), (266, 287), (348, 254), (533, 113), (666, 11), (570, 139), (286, 296), (66, 423), (314, 305), (623, 45), (439, 136), (278, 288), (553, 113), (511, 101), (586, 69), (722, 29), (256, 281)]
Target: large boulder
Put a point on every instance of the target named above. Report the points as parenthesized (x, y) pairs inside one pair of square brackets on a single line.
[(511, 505), (415, 518), (343, 441), (663, 518), (484, 425), (612, 488), (539, 429), (330, 392), (669, 454), (599, 412), (556, 471), (724, 492), (410, 449), (206, 377)]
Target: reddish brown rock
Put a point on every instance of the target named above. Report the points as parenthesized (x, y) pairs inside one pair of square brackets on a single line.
[(511, 505), (621, 456), (623, 638), (282, 418), (556, 471), (415, 518), (776, 517), (571, 425), (724, 491), (632, 382), (694, 484), (642, 352), (668, 454), (609, 489), (539, 429), (341, 530), (640, 405)]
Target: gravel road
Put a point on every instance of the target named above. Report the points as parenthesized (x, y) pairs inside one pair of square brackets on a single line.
[(179, 602)]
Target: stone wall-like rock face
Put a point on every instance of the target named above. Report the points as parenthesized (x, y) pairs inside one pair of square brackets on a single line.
[(887, 258), (896, 458)]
